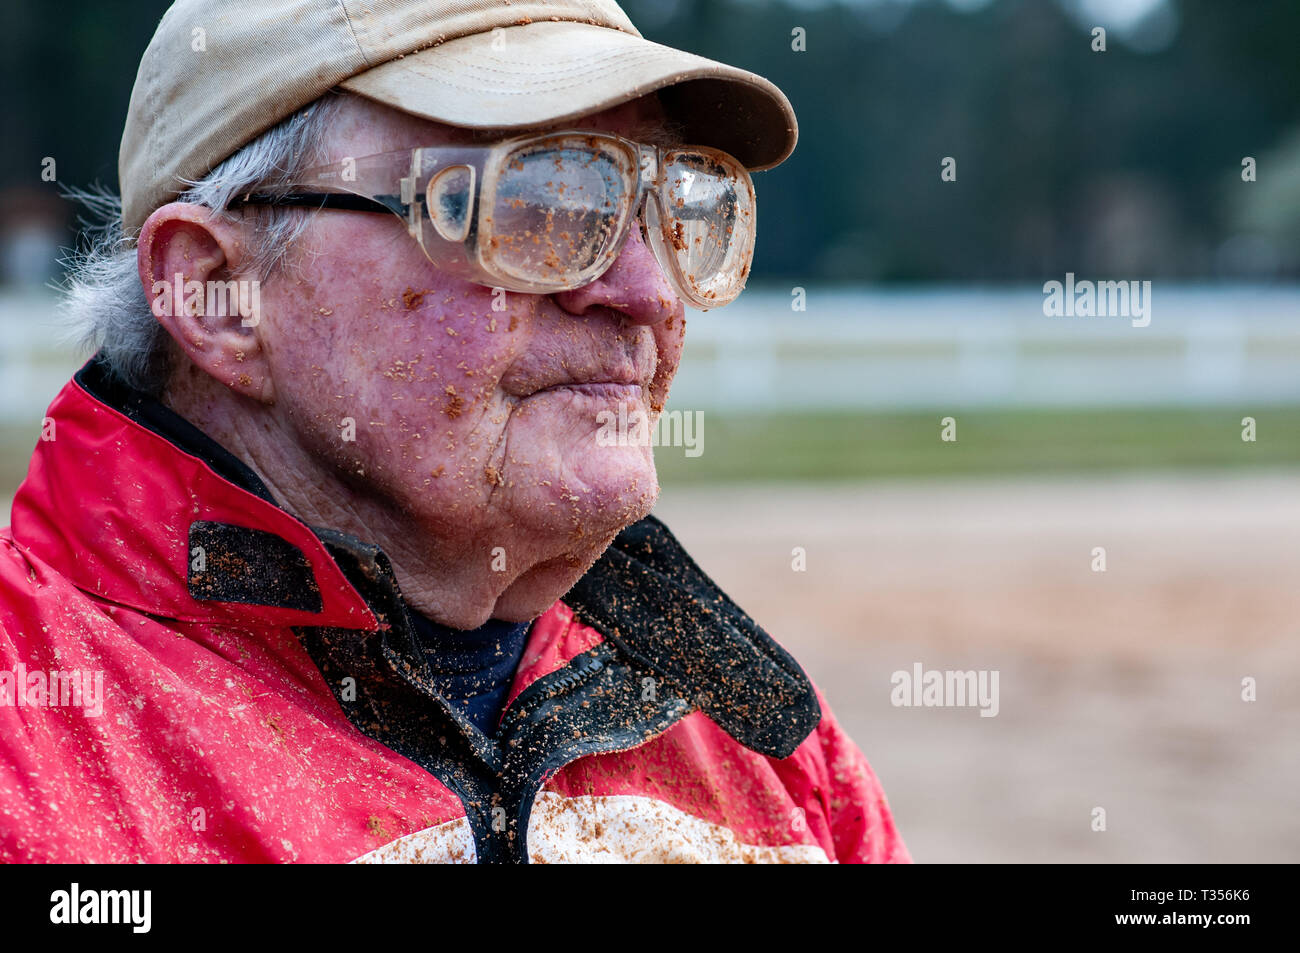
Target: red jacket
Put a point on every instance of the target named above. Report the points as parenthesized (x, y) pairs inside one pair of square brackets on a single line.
[(262, 700)]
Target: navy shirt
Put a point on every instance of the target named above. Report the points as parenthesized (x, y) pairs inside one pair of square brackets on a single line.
[(473, 668)]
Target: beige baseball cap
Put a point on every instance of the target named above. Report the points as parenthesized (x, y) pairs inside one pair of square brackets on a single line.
[(218, 73)]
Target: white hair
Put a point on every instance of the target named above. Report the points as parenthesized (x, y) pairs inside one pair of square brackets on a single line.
[(103, 301)]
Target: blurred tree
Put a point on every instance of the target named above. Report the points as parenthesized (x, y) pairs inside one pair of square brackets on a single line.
[(1066, 159)]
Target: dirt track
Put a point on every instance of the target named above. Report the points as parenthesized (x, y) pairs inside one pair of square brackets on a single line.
[(1119, 690)]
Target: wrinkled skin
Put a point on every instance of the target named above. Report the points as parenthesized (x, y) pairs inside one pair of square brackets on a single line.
[(474, 428)]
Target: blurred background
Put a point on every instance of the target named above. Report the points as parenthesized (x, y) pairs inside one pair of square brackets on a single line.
[(922, 299)]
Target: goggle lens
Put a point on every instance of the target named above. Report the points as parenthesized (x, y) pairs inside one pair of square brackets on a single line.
[(558, 212), (707, 225)]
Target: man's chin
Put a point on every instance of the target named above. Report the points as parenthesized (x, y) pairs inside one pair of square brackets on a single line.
[(603, 491), (536, 590), (558, 472), (576, 517)]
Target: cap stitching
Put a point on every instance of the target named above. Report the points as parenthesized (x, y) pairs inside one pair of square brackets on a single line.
[(440, 39), (554, 83), (347, 18), (588, 67)]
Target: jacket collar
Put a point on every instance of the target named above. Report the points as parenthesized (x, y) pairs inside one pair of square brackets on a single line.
[(136, 505)]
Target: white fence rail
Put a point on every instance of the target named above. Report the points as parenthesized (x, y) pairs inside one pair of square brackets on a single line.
[(865, 349), (35, 360), (935, 349)]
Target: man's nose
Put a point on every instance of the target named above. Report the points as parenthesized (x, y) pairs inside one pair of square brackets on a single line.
[(634, 286)]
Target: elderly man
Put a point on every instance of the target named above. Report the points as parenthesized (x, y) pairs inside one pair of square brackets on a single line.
[(319, 558)]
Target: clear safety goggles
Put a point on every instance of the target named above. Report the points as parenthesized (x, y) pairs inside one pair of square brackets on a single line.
[(545, 213)]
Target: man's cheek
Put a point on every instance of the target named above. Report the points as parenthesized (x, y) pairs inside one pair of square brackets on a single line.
[(452, 362)]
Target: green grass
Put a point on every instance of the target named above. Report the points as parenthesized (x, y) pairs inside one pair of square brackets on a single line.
[(857, 445)]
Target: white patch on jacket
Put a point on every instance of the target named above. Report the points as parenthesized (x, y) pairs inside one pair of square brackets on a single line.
[(449, 843), (630, 829), (615, 829)]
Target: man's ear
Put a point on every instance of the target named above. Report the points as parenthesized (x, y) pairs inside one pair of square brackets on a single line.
[(190, 266)]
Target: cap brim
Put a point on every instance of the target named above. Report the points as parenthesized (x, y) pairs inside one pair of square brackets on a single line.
[(545, 72)]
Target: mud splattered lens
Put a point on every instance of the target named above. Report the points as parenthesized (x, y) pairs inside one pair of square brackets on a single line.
[(558, 212), (703, 223)]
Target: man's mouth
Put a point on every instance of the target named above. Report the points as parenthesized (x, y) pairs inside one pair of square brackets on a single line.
[(603, 390)]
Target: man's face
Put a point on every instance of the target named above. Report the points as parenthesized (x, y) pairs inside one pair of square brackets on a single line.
[(475, 425)]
